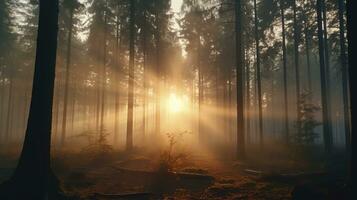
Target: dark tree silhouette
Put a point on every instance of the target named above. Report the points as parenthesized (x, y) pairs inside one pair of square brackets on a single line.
[(296, 64), (33, 177), (129, 139), (158, 73), (259, 79), (240, 82), (71, 6), (324, 96), (286, 114), (343, 60), (352, 72)]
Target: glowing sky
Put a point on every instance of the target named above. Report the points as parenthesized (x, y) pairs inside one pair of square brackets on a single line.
[(176, 5)]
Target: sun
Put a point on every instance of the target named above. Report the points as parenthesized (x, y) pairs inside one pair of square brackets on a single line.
[(174, 103)]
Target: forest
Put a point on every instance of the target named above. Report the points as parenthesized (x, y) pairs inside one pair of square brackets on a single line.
[(176, 99)]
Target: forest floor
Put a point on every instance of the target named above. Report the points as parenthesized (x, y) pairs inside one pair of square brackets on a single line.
[(139, 175)]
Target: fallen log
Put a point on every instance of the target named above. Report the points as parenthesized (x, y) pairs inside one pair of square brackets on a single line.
[(179, 175), (139, 195)]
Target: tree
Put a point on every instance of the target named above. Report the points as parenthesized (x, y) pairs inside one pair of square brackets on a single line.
[(326, 123), (296, 63), (352, 72), (129, 134), (70, 6), (7, 68), (33, 177), (286, 114), (240, 93), (258, 72), (118, 44), (343, 60)]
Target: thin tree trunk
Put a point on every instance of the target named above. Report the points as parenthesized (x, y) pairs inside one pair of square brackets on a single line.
[(308, 60), (327, 64), (344, 69), (247, 79), (351, 70), (66, 88), (129, 139), (144, 75), (229, 112), (104, 79), (56, 102), (73, 106), (2, 100), (200, 88), (240, 82), (158, 76), (9, 106), (260, 109), (297, 68), (117, 77), (326, 122), (286, 114)]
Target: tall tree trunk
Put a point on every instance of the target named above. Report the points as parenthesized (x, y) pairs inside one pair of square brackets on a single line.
[(259, 81), (66, 87), (9, 106), (286, 114), (2, 100), (352, 72), (200, 88), (217, 91), (103, 78), (117, 77), (240, 84), (33, 177), (129, 139), (297, 67), (308, 60), (247, 107), (56, 102), (144, 74), (326, 123), (327, 64), (229, 112), (24, 122), (73, 105), (158, 75), (344, 69)]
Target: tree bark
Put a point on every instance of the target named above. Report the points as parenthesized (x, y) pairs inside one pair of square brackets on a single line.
[(297, 68), (259, 81), (344, 69), (247, 106), (352, 72), (33, 177), (66, 87), (144, 74), (286, 114), (103, 78), (326, 123), (9, 106), (117, 77), (129, 139), (308, 60), (240, 82), (327, 63), (158, 75)]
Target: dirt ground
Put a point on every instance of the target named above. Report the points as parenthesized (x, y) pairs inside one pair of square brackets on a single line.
[(119, 175)]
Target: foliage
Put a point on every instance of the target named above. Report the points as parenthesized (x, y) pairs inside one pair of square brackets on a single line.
[(97, 145), (169, 158), (307, 133)]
